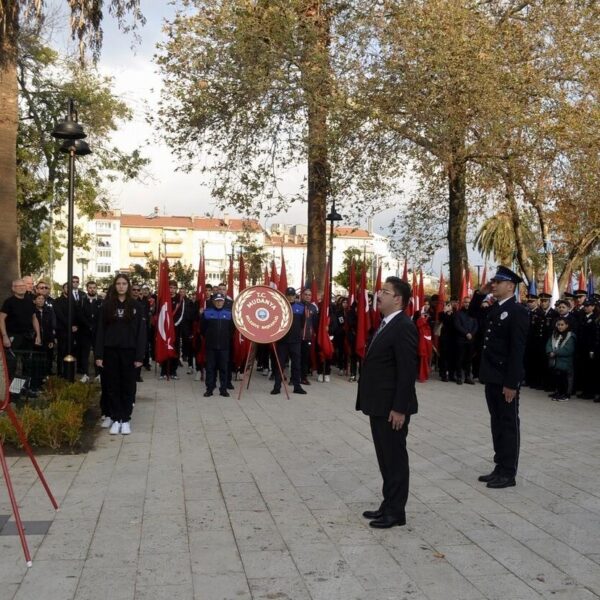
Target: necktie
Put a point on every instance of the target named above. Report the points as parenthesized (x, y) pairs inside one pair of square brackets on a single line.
[(381, 326)]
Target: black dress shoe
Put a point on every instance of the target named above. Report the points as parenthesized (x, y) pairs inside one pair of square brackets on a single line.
[(488, 477), (387, 521), (459, 381), (469, 381), (139, 380), (225, 394), (275, 391), (501, 481), (444, 378), (373, 514), (299, 390), (230, 386), (207, 394)]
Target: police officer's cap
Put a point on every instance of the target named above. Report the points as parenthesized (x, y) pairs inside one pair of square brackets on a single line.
[(545, 296), (532, 296), (218, 296), (580, 292), (505, 274), (290, 291), (568, 295), (589, 302)]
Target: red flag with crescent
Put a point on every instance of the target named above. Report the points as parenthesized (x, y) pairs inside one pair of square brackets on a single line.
[(165, 328)]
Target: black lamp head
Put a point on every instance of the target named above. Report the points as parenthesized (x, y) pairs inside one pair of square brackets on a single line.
[(69, 128), (334, 216), (80, 147)]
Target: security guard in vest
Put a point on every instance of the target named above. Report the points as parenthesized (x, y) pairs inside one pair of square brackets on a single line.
[(289, 346), (216, 325), (502, 371)]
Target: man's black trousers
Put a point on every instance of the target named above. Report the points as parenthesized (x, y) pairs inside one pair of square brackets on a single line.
[(390, 447), (285, 351), (504, 421), (216, 360)]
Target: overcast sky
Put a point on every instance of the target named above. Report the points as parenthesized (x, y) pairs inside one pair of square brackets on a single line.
[(138, 83)]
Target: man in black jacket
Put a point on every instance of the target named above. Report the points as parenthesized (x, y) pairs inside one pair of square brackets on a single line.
[(465, 327), (502, 371), (386, 393), (90, 307), (289, 346)]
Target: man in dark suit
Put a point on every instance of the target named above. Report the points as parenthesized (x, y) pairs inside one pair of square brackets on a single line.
[(386, 393), (502, 370)]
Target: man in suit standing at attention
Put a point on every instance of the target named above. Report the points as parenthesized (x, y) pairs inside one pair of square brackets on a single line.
[(502, 369), (386, 393)]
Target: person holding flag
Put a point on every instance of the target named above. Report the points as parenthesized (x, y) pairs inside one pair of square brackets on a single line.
[(120, 348), (324, 335)]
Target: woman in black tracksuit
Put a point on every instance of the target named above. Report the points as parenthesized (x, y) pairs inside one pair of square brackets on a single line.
[(120, 347)]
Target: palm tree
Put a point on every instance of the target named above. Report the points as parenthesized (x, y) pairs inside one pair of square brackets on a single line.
[(86, 20), (496, 237)]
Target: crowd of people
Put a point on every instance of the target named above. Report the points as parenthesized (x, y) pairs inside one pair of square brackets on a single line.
[(562, 354), (117, 331)]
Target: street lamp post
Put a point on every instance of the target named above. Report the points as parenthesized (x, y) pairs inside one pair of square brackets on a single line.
[(72, 133), (332, 217)]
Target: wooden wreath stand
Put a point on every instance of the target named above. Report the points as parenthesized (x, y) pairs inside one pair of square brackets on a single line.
[(249, 369), (264, 316), (7, 408)]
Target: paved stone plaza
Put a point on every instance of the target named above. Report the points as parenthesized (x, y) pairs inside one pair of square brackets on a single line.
[(219, 499)]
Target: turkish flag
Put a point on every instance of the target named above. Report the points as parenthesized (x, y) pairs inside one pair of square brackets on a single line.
[(323, 341), (282, 284), (352, 284), (165, 328), (241, 345), (362, 315), (375, 314)]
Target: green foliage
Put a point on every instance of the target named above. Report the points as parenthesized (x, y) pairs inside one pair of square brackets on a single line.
[(343, 276), (45, 83), (56, 418)]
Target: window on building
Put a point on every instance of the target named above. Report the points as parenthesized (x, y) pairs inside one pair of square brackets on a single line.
[(104, 253), (103, 268), (103, 225)]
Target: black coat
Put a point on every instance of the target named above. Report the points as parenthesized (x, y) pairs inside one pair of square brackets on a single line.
[(91, 309), (389, 371), (504, 339)]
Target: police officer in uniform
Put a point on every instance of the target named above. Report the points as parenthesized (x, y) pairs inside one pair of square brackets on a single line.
[(216, 325), (289, 346), (502, 371)]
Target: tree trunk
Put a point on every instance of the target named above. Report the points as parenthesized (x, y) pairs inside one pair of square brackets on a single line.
[(318, 187), (522, 256), (577, 253), (457, 225), (8, 176), (316, 82)]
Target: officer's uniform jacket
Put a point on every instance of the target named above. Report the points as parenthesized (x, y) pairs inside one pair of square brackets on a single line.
[(504, 338)]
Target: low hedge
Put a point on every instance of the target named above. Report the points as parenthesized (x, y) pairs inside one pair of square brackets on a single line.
[(56, 418)]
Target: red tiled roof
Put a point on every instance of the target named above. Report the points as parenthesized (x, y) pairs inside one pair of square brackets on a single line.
[(183, 222), (277, 240), (141, 221), (352, 232)]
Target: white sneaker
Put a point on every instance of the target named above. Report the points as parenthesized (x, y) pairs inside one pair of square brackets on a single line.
[(115, 428), (125, 428), (106, 422), (265, 372), (162, 377), (327, 378), (84, 379), (174, 377), (198, 376), (97, 379), (190, 370), (320, 378)]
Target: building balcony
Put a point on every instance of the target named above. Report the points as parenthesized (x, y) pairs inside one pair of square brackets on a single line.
[(141, 239), (106, 232), (174, 254), (172, 240), (137, 253)]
